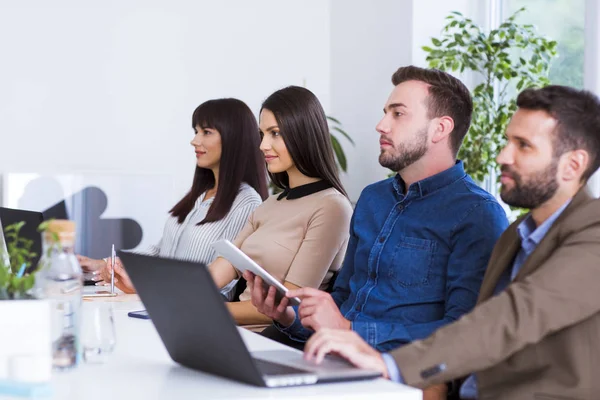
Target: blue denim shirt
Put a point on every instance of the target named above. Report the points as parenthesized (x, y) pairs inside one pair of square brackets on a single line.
[(415, 258)]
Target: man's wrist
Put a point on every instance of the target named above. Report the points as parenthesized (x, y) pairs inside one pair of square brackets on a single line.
[(287, 319)]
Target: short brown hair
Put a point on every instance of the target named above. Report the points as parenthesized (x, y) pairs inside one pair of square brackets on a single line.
[(577, 113), (448, 96)]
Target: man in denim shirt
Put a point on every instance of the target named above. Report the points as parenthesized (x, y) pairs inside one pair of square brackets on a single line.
[(534, 332), (420, 241)]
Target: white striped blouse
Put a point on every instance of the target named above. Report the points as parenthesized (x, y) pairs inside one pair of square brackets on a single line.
[(190, 242)]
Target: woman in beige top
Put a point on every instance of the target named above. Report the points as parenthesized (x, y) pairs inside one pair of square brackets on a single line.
[(300, 235)]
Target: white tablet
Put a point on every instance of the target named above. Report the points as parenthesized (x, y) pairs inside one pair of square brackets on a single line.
[(242, 262)]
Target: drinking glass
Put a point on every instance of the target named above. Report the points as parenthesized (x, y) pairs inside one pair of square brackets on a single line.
[(97, 332)]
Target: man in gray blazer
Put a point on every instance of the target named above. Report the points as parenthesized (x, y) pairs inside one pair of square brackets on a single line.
[(535, 331)]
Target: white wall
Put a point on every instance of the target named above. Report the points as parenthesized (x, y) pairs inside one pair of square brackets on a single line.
[(111, 87), (369, 41), (430, 17)]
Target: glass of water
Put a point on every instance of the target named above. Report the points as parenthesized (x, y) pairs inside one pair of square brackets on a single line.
[(97, 332)]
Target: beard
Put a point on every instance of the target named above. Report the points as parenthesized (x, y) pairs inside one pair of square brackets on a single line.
[(404, 155), (532, 192)]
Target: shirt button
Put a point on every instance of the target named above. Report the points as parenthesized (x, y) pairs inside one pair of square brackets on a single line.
[(358, 308), (400, 207), (382, 239)]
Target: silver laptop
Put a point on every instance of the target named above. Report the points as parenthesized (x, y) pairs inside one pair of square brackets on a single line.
[(198, 331)]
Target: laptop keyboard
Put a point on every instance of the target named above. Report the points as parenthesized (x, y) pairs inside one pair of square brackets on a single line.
[(271, 368), (295, 358)]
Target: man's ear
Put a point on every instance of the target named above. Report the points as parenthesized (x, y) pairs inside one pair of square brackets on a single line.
[(575, 165), (442, 128)]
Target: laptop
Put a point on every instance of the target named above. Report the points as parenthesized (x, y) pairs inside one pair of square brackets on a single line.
[(198, 331), (32, 219)]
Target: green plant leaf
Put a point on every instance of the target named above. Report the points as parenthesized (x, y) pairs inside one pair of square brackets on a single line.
[(513, 56), (329, 117), (340, 130), (337, 148), (12, 285), (339, 153)]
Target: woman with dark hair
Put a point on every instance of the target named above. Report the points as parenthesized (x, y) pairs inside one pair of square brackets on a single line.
[(229, 183), (299, 236)]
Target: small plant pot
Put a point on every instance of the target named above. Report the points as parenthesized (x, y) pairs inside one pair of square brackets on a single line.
[(25, 341)]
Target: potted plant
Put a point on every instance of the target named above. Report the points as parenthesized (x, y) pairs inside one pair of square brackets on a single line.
[(26, 325), (505, 60), (336, 126)]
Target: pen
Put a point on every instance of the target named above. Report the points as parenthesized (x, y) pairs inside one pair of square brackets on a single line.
[(21, 271), (113, 257)]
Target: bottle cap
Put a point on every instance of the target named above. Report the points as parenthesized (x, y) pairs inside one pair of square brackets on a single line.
[(64, 229)]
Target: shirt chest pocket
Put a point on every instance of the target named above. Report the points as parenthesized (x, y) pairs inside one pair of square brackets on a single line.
[(411, 261)]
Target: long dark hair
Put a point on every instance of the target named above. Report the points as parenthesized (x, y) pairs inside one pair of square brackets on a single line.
[(303, 127), (241, 158)]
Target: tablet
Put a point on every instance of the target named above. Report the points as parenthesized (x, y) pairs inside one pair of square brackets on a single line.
[(242, 262)]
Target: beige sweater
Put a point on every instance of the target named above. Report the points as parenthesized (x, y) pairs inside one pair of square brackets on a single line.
[(301, 241)]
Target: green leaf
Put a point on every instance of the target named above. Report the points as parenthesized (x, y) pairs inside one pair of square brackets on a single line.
[(43, 227), (436, 42), (329, 117), (339, 153), (19, 250), (28, 282), (340, 130), (514, 56)]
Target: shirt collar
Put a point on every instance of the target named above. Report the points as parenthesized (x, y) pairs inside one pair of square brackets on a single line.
[(433, 183), (530, 234), (304, 190)]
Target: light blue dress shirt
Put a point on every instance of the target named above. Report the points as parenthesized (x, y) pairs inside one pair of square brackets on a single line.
[(530, 236)]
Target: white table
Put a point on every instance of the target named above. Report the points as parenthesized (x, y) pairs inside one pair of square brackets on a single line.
[(140, 368)]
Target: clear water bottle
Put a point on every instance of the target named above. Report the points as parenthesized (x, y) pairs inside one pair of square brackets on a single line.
[(61, 281)]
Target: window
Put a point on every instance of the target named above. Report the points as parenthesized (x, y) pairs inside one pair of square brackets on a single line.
[(563, 21)]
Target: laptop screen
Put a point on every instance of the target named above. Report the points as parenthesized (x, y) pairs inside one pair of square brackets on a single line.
[(31, 220), (3, 249)]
